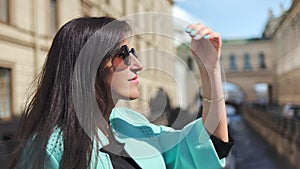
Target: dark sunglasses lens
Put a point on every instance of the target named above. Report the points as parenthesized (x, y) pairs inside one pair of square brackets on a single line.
[(125, 51), (124, 59), (127, 60), (133, 52)]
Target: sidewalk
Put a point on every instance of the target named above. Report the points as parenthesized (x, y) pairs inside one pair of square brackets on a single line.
[(250, 151)]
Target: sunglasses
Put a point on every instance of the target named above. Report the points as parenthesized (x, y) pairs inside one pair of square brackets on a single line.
[(122, 60)]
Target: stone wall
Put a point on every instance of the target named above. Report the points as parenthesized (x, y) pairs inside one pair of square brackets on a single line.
[(26, 36), (280, 132)]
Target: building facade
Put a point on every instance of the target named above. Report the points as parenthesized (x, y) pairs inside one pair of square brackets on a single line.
[(247, 63), (273, 59), (27, 28), (265, 69), (286, 41)]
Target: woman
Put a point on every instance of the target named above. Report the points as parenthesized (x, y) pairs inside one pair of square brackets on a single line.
[(71, 121)]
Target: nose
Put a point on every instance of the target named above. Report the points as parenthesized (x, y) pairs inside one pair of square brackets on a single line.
[(135, 64)]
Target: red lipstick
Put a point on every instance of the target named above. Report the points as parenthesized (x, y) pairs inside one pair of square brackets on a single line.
[(134, 79)]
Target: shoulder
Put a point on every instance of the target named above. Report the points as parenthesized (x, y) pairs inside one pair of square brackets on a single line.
[(128, 115), (134, 124), (55, 146)]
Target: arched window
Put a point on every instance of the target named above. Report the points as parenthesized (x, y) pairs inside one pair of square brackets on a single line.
[(247, 63), (232, 63), (262, 64)]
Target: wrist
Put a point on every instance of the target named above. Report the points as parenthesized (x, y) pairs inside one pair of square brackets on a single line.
[(213, 69), (207, 67), (210, 100)]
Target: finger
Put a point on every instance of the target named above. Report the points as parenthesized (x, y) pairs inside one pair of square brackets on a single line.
[(190, 28), (215, 36), (202, 32), (198, 31)]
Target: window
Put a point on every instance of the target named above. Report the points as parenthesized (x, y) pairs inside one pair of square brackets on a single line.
[(262, 64), (53, 16), (247, 64), (232, 63), (261, 90), (5, 93), (4, 11)]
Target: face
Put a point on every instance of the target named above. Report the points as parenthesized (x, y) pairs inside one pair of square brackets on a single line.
[(121, 75)]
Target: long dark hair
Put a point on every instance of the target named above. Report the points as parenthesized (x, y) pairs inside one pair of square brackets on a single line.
[(52, 105)]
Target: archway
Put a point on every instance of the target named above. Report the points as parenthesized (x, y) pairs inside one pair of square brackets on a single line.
[(234, 93), (235, 97)]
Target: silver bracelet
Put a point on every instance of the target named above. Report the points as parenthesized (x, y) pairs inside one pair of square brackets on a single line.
[(212, 100)]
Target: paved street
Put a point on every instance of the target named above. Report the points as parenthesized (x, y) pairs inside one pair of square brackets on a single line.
[(250, 150)]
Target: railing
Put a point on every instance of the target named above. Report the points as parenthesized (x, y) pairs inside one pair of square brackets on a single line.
[(280, 132)]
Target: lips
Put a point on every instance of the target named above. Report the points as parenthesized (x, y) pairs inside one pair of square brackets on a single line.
[(134, 79)]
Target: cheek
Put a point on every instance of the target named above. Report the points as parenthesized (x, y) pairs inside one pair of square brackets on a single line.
[(119, 84)]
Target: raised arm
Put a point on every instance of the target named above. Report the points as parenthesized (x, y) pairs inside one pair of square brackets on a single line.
[(206, 48)]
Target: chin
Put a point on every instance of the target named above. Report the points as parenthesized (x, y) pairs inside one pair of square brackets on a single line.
[(134, 96), (128, 96)]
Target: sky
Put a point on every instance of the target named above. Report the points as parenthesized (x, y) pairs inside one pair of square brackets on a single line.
[(233, 19)]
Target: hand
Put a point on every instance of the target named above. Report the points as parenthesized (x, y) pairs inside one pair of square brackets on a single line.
[(205, 45)]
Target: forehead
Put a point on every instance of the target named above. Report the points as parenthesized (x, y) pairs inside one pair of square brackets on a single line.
[(126, 42)]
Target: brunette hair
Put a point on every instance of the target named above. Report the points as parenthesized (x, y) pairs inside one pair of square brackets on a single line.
[(52, 105)]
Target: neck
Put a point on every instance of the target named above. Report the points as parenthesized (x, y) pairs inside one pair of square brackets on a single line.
[(109, 107)]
